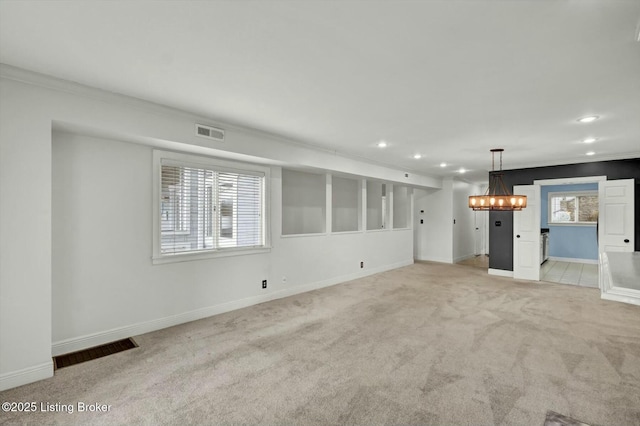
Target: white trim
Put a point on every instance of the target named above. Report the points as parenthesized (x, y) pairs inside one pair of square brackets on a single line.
[(611, 292), (434, 259), (465, 257), (95, 339), (312, 234), (572, 260), (633, 299), (577, 224), (565, 194), (13, 379), (207, 254), (345, 232), (570, 181), (500, 272), (213, 163)]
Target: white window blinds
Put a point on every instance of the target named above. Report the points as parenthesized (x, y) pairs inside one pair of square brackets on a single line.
[(204, 209)]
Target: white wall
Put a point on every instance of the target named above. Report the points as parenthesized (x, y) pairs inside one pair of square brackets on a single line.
[(25, 237), (147, 297), (401, 207), (434, 235), (438, 239), (104, 284)]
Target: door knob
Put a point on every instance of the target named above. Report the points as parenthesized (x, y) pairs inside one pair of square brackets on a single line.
[(626, 240), (517, 236)]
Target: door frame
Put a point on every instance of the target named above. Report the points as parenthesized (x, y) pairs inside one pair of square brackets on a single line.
[(568, 181)]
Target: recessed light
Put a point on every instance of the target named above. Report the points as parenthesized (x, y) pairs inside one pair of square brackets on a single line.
[(588, 119), (590, 153), (417, 156), (462, 170), (590, 140), (382, 144), (443, 164)]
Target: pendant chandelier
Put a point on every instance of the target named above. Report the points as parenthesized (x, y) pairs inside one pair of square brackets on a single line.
[(497, 197)]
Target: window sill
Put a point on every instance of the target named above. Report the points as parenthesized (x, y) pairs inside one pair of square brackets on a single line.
[(213, 254), (572, 224), (312, 234)]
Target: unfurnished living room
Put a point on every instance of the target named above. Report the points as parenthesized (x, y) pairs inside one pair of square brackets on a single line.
[(320, 212)]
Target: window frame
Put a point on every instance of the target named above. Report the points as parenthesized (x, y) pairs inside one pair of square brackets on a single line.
[(218, 165), (576, 194)]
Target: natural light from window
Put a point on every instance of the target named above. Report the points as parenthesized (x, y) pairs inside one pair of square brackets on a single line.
[(573, 208)]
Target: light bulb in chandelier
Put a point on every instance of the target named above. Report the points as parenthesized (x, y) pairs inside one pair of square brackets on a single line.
[(497, 197)]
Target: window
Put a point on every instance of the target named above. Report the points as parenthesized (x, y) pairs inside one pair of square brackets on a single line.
[(573, 207), (207, 206)]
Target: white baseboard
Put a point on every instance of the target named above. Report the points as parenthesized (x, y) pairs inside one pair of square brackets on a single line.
[(90, 340), (633, 300), (569, 259), (465, 257), (27, 375), (435, 259), (501, 273)]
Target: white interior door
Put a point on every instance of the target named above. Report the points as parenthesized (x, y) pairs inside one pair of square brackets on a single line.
[(615, 225), (526, 235)]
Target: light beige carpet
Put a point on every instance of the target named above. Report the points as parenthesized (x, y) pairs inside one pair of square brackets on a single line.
[(424, 344)]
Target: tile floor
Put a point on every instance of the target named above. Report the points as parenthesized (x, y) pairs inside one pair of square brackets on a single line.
[(582, 274)]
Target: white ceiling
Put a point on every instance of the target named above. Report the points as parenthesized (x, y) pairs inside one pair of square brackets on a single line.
[(446, 79)]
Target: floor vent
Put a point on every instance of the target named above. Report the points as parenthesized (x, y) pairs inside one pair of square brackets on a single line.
[(93, 353)]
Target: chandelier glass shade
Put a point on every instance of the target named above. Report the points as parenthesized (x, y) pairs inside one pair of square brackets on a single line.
[(497, 197)]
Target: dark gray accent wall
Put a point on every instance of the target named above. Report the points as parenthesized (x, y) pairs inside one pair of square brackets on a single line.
[(501, 237)]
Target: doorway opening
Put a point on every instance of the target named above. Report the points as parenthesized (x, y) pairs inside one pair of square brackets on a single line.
[(568, 222), (540, 216), (574, 273)]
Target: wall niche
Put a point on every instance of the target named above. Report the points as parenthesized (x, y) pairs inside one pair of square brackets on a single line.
[(303, 203)]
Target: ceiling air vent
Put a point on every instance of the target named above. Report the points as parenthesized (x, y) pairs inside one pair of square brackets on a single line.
[(209, 132)]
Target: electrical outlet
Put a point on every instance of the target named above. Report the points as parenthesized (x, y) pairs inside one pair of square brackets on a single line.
[(264, 283), (361, 265)]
